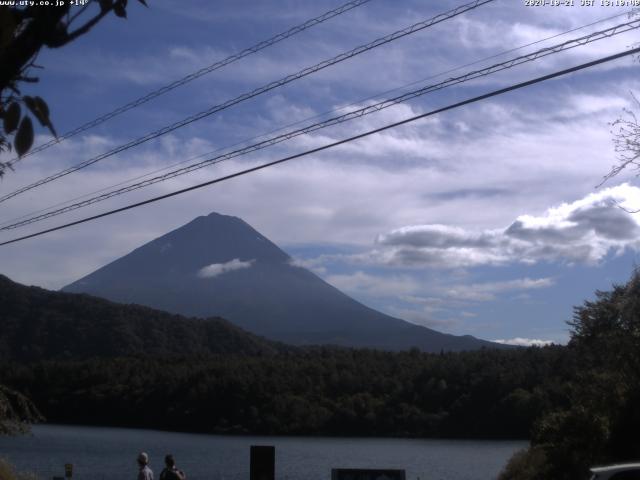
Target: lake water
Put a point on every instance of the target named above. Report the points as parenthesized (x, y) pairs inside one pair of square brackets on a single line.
[(107, 453)]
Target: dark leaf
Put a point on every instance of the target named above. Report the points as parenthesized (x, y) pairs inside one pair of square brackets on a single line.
[(43, 107), (119, 10), (24, 137), (12, 117), (144, 2), (52, 130), (105, 5), (29, 101), (31, 105), (40, 110)]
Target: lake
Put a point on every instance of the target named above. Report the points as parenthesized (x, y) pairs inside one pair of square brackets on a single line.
[(105, 453)]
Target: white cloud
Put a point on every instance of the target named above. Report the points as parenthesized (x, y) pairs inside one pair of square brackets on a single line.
[(435, 304), (525, 342), (482, 292), (384, 286), (583, 231), (424, 318), (216, 269), (456, 296), (314, 264)]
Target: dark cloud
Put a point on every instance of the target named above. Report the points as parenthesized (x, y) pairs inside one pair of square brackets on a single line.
[(436, 236), (554, 234), (467, 193), (607, 220)]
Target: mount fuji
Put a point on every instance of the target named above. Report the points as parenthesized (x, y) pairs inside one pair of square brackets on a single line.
[(218, 265)]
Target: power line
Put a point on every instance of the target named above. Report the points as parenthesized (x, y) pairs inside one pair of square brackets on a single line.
[(337, 143), (278, 83), (530, 57), (192, 76), (320, 115)]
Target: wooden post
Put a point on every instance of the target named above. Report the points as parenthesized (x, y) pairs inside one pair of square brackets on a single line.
[(263, 462)]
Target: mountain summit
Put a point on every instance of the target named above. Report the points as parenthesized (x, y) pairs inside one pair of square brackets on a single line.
[(219, 265)]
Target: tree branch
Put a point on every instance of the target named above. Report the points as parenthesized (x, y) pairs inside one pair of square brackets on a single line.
[(79, 12), (87, 26)]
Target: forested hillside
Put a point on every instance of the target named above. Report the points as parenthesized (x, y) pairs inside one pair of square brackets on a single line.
[(38, 324), (320, 391)]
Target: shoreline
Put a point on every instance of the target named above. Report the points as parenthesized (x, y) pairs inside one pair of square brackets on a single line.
[(273, 435)]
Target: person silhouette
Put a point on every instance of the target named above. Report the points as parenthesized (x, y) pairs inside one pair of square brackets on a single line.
[(170, 471), (145, 472)]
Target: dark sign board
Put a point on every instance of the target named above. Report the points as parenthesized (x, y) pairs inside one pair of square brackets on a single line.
[(366, 474), (263, 463)]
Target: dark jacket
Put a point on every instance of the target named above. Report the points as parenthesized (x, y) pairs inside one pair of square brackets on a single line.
[(172, 474)]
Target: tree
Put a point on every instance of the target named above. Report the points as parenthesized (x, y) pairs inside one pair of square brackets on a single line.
[(16, 412), (599, 421), (24, 31), (626, 141)]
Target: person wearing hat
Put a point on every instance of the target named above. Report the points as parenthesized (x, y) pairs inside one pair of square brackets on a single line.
[(145, 472)]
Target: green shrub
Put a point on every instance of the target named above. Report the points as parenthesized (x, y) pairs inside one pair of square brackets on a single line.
[(528, 464), (9, 472)]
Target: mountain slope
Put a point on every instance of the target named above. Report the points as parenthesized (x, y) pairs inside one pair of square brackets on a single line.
[(219, 265), (38, 324)]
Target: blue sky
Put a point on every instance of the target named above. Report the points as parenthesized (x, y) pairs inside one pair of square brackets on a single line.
[(484, 220)]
